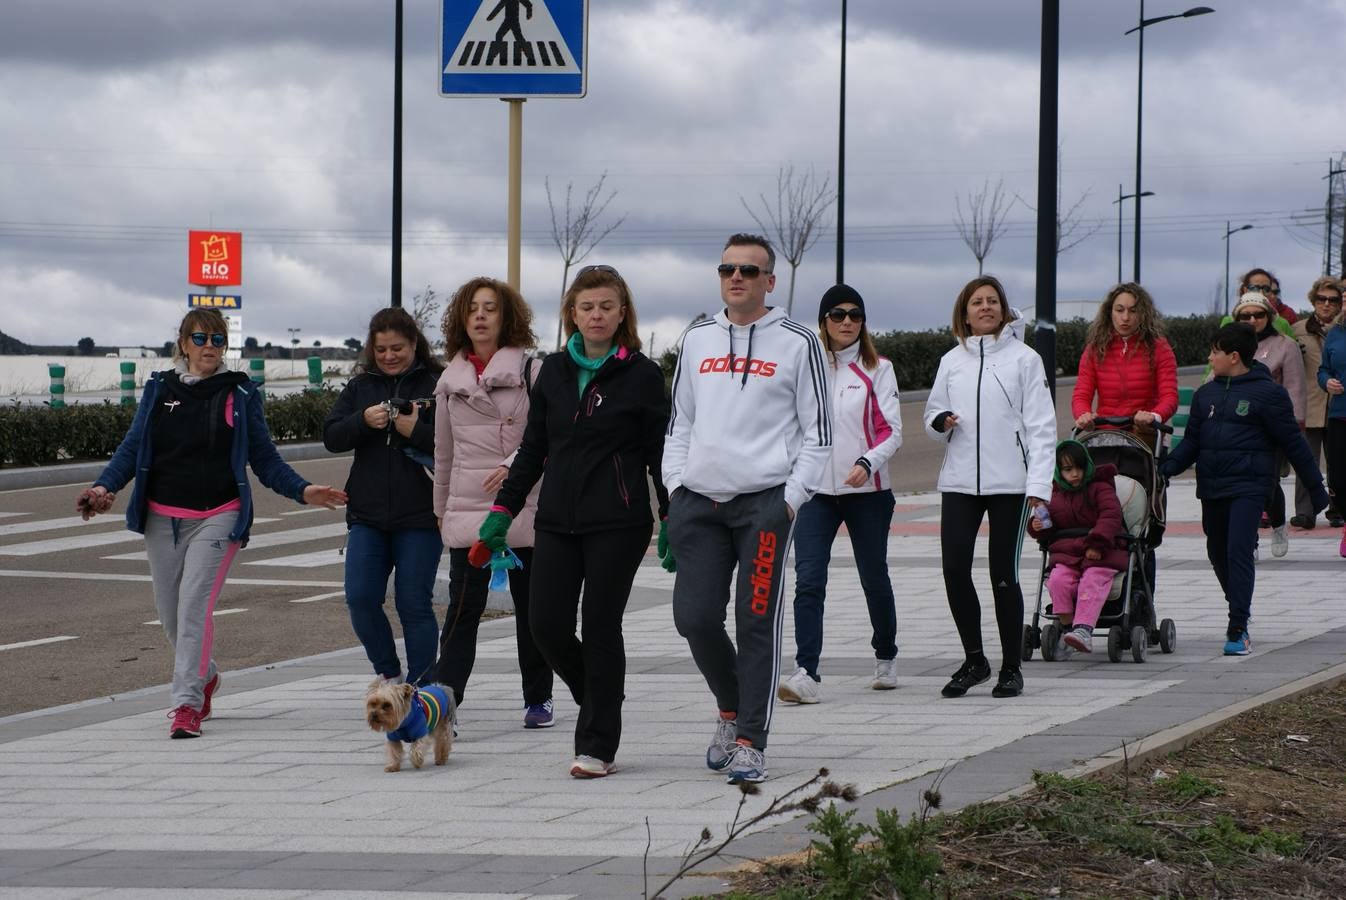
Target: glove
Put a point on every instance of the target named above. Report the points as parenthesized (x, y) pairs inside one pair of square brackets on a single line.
[(661, 548), (479, 555), (494, 529)]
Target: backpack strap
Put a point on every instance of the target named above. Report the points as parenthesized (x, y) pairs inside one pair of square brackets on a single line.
[(528, 373)]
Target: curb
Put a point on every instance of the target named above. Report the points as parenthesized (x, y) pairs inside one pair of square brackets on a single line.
[(1179, 737), (85, 473)]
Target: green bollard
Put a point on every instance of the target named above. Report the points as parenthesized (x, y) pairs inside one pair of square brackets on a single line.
[(128, 382), (57, 373), (257, 372), (314, 373)]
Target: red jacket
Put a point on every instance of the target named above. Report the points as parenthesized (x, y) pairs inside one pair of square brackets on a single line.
[(1286, 313), (1096, 508), (1129, 380)]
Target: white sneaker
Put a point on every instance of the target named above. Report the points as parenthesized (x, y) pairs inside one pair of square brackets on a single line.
[(799, 688), (1280, 541), (1063, 650), (885, 675), (591, 767)]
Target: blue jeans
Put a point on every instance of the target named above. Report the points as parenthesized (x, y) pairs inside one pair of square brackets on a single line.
[(867, 517), (413, 555)]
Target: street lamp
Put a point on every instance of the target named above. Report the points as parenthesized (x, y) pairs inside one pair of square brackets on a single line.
[(1140, 83), (294, 342), (841, 159), (1227, 232), (1118, 201)]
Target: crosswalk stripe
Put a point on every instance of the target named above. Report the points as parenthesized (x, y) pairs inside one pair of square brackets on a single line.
[(218, 612), (82, 542), (57, 524), (329, 557), (104, 576), (39, 641), (316, 597), (270, 539)]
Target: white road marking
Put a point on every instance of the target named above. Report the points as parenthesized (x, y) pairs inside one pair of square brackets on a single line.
[(57, 524), (317, 597), (218, 612), (329, 557), (83, 542), (310, 510), (50, 640), (96, 576), (5, 515), (270, 539)]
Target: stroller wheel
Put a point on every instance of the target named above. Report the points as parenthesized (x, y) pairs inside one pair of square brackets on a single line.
[(1168, 636), (1115, 644), (1140, 643), (1050, 635), (1030, 641)]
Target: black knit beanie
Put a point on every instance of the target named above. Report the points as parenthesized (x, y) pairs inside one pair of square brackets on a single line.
[(836, 295)]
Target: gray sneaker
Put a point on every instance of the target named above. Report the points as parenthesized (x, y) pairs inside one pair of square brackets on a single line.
[(1280, 541), (722, 745), (1080, 639), (748, 764)]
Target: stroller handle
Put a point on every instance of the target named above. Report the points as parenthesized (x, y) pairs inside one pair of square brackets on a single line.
[(1123, 421)]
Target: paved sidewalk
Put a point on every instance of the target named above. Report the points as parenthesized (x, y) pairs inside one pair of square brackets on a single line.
[(284, 794)]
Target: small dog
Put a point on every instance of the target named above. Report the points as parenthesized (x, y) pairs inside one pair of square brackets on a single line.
[(412, 715)]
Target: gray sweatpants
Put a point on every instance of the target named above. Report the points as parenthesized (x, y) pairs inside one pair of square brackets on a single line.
[(189, 559), (708, 539)]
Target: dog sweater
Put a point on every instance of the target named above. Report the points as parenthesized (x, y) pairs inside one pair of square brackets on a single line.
[(428, 705)]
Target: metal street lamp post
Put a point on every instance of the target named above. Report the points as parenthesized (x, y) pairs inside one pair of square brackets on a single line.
[(294, 342), (841, 159), (1140, 84), (1227, 232), (1118, 201)]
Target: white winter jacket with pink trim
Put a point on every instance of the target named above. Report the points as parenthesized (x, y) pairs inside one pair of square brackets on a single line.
[(478, 427), (866, 421)]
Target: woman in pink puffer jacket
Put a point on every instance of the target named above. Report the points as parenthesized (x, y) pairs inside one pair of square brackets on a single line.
[(481, 407)]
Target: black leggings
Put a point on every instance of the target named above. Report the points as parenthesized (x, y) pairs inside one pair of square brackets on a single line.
[(1335, 457), (960, 517)]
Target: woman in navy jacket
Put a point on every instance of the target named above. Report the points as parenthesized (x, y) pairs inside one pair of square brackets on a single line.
[(1332, 378), (197, 429)]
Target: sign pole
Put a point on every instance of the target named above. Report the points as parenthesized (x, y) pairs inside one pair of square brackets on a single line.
[(515, 189)]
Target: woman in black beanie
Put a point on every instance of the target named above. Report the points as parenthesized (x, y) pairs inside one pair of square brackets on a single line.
[(866, 432)]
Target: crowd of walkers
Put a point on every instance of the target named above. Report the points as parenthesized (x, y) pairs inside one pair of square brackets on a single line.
[(553, 474)]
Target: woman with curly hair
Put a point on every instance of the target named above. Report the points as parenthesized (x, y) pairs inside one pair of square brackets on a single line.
[(1127, 364), (481, 408)]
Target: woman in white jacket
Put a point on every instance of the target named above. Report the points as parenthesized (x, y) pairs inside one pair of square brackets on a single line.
[(991, 407), (866, 432), (481, 407)]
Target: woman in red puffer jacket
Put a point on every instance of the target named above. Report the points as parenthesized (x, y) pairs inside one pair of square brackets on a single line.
[(1127, 364), (1082, 567)]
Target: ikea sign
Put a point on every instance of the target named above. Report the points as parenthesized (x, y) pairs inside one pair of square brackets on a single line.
[(215, 301)]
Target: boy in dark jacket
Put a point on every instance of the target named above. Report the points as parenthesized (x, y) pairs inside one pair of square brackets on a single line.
[(1239, 421)]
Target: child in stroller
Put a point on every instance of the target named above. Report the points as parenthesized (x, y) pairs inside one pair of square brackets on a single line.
[(1085, 523)]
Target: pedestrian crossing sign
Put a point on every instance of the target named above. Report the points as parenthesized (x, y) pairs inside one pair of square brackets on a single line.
[(513, 48)]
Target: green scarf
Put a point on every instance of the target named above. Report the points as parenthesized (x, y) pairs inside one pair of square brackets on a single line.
[(587, 366), (1088, 468)]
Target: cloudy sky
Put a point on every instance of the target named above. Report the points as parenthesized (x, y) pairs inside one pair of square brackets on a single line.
[(127, 123)]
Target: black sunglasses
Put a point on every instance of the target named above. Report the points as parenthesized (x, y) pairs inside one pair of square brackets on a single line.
[(841, 315), (749, 271), (1247, 317), (216, 339), (608, 269), (1326, 298)]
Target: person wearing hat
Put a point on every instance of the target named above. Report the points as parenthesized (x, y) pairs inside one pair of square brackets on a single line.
[(866, 432), (1283, 358), (1325, 296)]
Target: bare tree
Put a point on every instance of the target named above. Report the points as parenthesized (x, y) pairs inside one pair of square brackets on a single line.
[(578, 231), (425, 310), (987, 210), (794, 220), (1071, 228), (1215, 303)]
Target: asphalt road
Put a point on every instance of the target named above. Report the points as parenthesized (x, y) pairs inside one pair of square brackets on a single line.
[(65, 585)]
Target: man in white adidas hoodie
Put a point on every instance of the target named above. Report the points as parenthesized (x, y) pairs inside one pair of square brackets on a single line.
[(748, 441)]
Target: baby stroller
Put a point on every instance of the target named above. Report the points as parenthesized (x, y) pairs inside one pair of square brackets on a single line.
[(1129, 613)]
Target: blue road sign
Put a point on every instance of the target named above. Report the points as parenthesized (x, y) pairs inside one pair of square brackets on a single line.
[(513, 48)]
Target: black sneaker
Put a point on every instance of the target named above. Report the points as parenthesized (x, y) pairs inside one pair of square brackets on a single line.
[(1305, 522), (969, 674), (1010, 684)]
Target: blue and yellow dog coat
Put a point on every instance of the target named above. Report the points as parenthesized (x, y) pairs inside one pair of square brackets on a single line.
[(428, 705)]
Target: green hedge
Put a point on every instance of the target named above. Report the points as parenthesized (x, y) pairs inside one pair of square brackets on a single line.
[(40, 435), (916, 354)]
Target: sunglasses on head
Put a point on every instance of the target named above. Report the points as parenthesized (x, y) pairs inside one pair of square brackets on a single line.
[(841, 315), (608, 269), (749, 271), (216, 339), (1262, 289), (1249, 316)]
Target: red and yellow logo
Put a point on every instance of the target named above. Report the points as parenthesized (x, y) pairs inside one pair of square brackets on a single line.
[(214, 257)]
